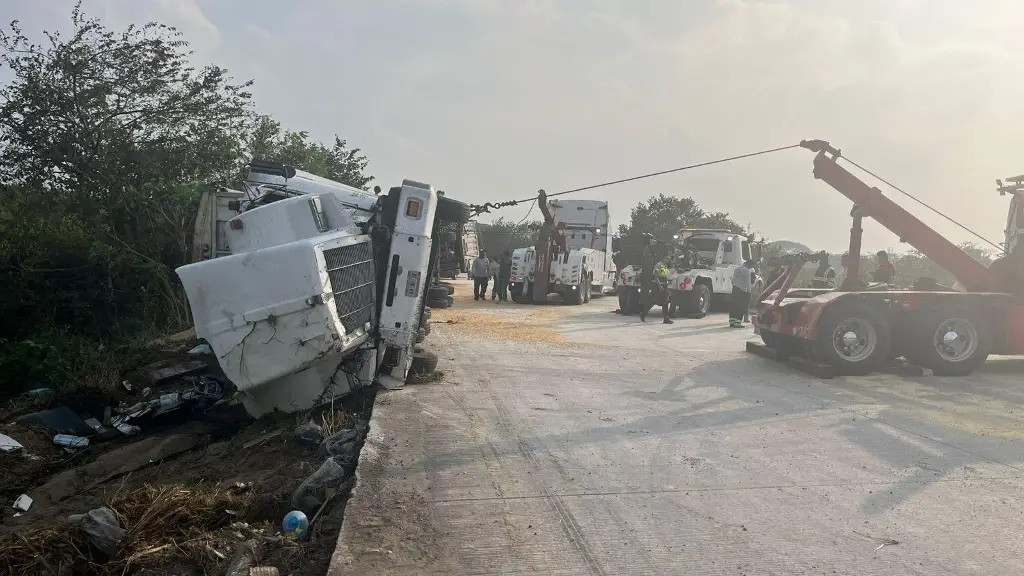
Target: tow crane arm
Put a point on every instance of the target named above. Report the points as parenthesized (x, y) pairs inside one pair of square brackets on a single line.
[(871, 202)]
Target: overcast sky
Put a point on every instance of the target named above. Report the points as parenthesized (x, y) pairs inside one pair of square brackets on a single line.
[(491, 100)]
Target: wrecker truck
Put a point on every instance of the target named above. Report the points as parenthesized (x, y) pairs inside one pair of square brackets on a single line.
[(694, 286), (573, 247), (323, 289), (857, 328)]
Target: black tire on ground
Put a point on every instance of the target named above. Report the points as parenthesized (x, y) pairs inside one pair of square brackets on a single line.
[(423, 363), (573, 297), (624, 301), (632, 301), (449, 286), (517, 294), (949, 341), (852, 338), (443, 303), (452, 210), (698, 302), (437, 293)]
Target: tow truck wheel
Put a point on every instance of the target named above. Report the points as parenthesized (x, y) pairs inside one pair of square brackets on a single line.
[(951, 342), (699, 302), (517, 293), (624, 301), (573, 297), (852, 338)]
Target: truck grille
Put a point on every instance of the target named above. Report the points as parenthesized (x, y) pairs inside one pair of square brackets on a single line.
[(350, 269)]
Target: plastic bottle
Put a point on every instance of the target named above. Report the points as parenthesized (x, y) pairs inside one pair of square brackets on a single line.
[(70, 441)]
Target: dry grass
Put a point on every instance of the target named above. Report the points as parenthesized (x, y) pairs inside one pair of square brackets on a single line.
[(534, 325), (162, 523), (334, 420)]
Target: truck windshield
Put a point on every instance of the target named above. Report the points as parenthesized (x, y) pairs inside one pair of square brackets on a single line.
[(706, 246)]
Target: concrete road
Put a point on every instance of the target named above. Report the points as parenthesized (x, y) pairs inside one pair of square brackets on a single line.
[(578, 441)]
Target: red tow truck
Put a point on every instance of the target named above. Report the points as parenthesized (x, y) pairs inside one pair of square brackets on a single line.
[(855, 329)]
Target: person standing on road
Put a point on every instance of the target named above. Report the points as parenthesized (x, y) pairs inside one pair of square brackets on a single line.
[(494, 269), (481, 270), (886, 271), (504, 273), (742, 283), (650, 278)]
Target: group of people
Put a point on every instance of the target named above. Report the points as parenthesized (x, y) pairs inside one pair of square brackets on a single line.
[(826, 277), (485, 270)]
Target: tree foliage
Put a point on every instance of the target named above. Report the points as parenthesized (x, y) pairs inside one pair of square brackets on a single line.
[(338, 162), (662, 216), (503, 234), (107, 141)]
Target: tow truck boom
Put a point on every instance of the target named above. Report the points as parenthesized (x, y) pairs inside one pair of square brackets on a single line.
[(871, 202)]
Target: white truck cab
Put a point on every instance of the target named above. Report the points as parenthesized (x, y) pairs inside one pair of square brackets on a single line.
[(322, 292)]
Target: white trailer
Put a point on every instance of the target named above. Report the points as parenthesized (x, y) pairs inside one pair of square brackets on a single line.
[(323, 290), (585, 268)]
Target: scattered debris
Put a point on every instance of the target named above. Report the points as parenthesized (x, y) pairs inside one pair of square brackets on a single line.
[(296, 525), (23, 503), (309, 434), (40, 392), (102, 528), (71, 441), (261, 440), (60, 419), (200, 350), (8, 444), (312, 493), (264, 571), (159, 375)]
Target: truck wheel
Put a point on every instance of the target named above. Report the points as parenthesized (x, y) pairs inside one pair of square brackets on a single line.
[(442, 303), (700, 302), (852, 338), (951, 342), (423, 363), (517, 294), (632, 300), (573, 297), (448, 286), (437, 293), (624, 302)]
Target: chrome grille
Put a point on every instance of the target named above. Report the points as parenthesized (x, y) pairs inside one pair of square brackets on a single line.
[(350, 269)]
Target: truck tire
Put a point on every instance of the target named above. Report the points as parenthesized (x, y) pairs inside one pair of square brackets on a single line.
[(573, 297), (624, 301), (449, 286), (442, 303), (423, 364), (437, 293), (949, 341), (852, 338), (517, 294), (698, 302), (452, 210), (632, 301)]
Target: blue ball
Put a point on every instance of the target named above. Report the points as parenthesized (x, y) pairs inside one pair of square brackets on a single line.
[(295, 524)]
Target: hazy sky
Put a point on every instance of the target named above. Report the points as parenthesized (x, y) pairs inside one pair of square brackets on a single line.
[(492, 100)]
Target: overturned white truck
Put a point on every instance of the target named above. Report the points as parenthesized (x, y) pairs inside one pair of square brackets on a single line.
[(323, 290)]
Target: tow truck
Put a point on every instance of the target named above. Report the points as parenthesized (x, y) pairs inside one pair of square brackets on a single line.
[(323, 289), (857, 328), (574, 246)]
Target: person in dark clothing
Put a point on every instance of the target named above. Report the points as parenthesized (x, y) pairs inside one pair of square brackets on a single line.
[(825, 275), (481, 274), (504, 273), (886, 271), (648, 279)]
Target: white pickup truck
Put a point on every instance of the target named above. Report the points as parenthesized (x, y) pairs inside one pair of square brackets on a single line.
[(323, 289)]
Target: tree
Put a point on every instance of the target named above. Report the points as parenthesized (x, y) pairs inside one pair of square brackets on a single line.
[(269, 142), (503, 234), (662, 216)]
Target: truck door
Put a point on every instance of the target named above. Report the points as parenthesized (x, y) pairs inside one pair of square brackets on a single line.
[(216, 208)]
